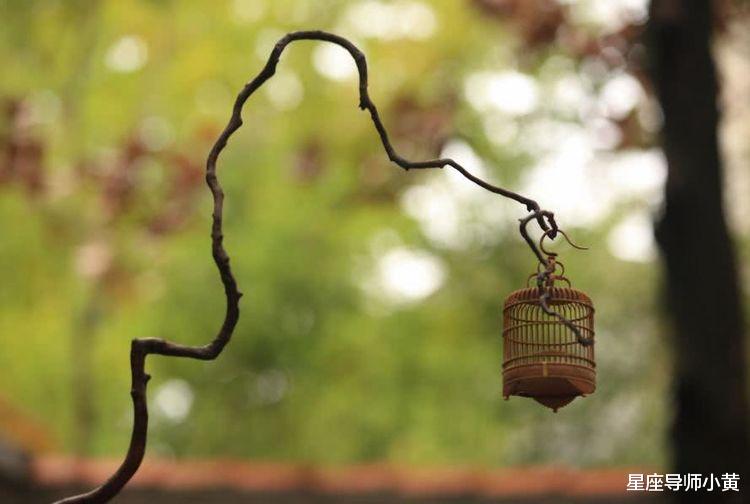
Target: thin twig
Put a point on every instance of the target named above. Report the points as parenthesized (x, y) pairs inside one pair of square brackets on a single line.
[(141, 348)]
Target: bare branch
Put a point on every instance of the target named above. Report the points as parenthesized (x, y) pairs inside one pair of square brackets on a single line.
[(141, 348)]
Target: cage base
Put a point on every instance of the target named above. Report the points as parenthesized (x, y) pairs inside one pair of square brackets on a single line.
[(553, 385)]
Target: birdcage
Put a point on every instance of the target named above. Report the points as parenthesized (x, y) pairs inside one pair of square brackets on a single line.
[(543, 357)]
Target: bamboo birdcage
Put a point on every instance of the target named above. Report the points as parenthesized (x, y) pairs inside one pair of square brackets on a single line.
[(542, 356)]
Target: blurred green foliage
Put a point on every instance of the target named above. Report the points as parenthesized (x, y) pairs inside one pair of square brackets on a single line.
[(320, 369)]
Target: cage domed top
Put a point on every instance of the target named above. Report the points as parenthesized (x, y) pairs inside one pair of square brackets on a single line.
[(542, 356)]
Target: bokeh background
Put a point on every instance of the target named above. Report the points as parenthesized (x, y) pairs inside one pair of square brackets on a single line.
[(370, 327)]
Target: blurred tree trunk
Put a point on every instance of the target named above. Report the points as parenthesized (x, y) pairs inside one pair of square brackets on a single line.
[(710, 429)]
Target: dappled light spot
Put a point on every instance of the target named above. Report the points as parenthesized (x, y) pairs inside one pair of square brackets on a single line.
[(333, 62), (605, 134), (449, 211), (638, 173), (128, 54), (174, 400), (287, 90), (93, 259), (510, 92), (405, 275), (500, 131), (463, 153), (632, 239), (609, 16), (391, 20), (620, 95), (584, 185), (268, 387), (437, 212), (571, 94)]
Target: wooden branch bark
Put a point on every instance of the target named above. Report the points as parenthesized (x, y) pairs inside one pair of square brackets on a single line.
[(141, 348)]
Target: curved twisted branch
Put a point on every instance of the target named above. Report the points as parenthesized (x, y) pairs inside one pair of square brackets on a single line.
[(141, 348), (543, 277)]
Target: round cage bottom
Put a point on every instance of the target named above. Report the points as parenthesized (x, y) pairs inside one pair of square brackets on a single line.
[(550, 384)]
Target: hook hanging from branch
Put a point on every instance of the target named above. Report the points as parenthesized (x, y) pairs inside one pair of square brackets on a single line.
[(141, 348)]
